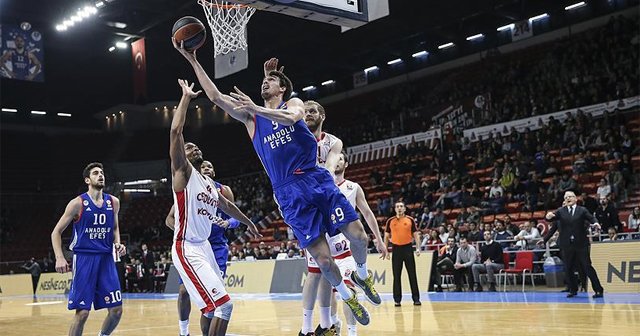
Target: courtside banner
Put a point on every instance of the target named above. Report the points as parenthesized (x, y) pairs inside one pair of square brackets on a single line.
[(249, 276), (15, 284), (54, 283), (383, 274), (618, 265), (289, 276)]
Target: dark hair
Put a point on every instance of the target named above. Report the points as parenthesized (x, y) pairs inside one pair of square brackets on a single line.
[(346, 157), (399, 202), (318, 106), (284, 82), (87, 169)]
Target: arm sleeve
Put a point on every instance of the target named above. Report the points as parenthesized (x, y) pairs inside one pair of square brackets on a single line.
[(387, 227)]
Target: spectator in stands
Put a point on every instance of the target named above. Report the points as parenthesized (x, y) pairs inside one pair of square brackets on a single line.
[(607, 215), (506, 181), (462, 216), (474, 233), (633, 223), (612, 235), (446, 258), (495, 190), (552, 167), (616, 180), (517, 190), (567, 183), (474, 215), (588, 202), (579, 165), (529, 236), (626, 168), (438, 219), (432, 241), (502, 235), (491, 261), (279, 235), (604, 189), (465, 258), (510, 226), (423, 219), (442, 233)]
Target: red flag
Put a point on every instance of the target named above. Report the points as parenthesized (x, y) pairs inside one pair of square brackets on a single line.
[(139, 70)]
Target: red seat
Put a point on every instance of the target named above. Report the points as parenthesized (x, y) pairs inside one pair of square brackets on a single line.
[(524, 264)]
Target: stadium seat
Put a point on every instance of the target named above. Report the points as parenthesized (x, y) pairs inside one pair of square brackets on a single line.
[(523, 265)]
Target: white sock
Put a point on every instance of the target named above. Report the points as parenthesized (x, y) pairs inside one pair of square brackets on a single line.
[(334, 319), (344, 291), (307, 321), (351, 330), (325, 317), (362, 271), (184, 327)]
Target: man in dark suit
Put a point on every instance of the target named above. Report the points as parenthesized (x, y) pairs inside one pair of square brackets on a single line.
[(573, 222), (148, 262)]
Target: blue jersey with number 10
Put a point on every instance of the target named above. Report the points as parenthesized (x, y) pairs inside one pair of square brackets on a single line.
[(93, 232), (284, 150)]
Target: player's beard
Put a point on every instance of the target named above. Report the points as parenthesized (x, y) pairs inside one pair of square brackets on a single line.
[(339, 171), (98, 186), (313, 125), (196, 161)]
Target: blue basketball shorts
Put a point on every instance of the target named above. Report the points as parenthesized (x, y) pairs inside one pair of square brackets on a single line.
[(311, 204), (95, 281)]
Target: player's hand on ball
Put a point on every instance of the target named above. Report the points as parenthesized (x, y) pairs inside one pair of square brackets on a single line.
[(243, 102), (121, 249), (62, 266), (550, 215), (189, 55), (187, 90)]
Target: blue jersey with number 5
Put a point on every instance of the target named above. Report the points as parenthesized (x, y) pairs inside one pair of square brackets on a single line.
[(93, 231)]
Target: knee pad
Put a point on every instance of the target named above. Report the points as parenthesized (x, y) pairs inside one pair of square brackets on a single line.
[(224, 311)]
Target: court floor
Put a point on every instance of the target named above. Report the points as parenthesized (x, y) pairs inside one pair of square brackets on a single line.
[(512, 313)]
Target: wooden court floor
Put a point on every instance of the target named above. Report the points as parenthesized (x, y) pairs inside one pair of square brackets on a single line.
[(440, 314)]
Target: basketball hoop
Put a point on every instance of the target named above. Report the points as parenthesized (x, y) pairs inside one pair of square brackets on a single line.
[(228, 22)]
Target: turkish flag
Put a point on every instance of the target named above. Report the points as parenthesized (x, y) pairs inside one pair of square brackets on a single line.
[(139, 70)]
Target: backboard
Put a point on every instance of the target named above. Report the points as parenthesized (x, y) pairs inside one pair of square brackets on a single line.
[(344, 13)]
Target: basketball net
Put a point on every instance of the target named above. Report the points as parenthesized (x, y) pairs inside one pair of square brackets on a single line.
[(228, 22)]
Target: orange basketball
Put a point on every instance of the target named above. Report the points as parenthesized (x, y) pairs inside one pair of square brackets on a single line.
[(190, 30)]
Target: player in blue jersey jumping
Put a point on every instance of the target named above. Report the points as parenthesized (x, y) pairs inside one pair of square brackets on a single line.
[(307, 196), (219, 245), (94, 215)]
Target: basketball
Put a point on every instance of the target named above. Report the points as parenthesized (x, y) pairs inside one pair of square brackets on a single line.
[(190, 30)]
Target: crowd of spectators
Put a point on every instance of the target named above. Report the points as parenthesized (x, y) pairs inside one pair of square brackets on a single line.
[(595, 66)]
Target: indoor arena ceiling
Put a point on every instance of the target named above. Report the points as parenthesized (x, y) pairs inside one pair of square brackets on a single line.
[(77, 60)]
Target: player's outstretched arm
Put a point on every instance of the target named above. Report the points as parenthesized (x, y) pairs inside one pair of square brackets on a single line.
[(120, 249), (370, 218), (210, 89), (71, 212), (180, 166), (289, 116), (232, 210), (170, 221)]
